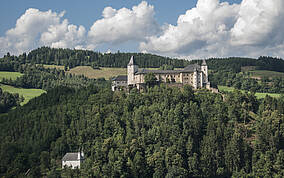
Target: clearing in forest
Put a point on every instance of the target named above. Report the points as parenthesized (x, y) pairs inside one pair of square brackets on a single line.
[(103, 72), (258, 95), (10, 75), (28, 94)]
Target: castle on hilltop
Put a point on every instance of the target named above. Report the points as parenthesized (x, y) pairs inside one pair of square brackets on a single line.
[(194, 75)]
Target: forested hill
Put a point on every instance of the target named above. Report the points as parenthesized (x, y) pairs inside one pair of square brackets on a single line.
[(235, 64), (164, 132), (73, 58)]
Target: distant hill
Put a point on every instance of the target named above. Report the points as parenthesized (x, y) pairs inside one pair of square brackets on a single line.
[(236, 64), (223, 71), (72, 58)]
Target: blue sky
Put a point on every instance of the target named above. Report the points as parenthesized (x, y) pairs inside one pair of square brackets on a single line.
[(167, 11), (187, 29)]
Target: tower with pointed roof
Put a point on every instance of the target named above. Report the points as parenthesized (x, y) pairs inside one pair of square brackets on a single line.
[(132, 68), (204, 69)]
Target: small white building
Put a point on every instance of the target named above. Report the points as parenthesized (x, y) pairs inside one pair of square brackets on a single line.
[(119, 82), (73, 160)]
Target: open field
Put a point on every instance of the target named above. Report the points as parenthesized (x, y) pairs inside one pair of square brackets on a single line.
[(265, 73), (258, 95), (88, 71), (28, 94), (248, 68), (10, 75), (104, 72), (53, 66)]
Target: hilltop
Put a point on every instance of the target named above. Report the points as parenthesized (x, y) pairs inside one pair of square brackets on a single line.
[(162, 132), (241, 73)]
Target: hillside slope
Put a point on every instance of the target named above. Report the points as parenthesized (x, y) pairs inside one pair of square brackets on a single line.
[(163, 132)]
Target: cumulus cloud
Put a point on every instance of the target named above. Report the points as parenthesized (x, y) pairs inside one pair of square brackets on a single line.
[(119, 26), (259, 23), (37, 28), (63, 35), (212, 28)]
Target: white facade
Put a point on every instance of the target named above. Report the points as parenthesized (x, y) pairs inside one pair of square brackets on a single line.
[(73, 160), (132, 68), (204, 69), (194, 75), (71, 164), (119, 83)]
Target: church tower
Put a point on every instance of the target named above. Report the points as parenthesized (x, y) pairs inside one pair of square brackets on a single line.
[(132, 68), (204, 69)]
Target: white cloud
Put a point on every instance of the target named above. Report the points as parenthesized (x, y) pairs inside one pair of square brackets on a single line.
[(36, 28), (260, 22), (211, 29), (63, 35), (251, 28), (119, 26)]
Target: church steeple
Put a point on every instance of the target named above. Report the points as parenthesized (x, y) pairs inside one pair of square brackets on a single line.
[(204, 69), (132, 68), (132, 61)]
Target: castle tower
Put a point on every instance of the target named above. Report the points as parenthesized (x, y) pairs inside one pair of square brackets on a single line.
[(204, 69), (132, 68), (195, 79)]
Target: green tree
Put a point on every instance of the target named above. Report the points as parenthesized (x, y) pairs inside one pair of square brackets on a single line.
[(150, 79)]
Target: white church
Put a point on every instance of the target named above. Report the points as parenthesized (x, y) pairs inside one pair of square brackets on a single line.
[(73, 160), (194, 75)]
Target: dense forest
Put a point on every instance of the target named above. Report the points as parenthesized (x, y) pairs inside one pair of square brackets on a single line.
[(235, 64), (72, 58), (36, 76), (8, 100), (162, 132), (228, 72)]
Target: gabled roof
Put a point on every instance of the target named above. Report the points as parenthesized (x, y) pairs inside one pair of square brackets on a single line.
[(192, 68), (71, 157), (145, 71), (189, 68), (120, 78), (132, 61), (204, 63)]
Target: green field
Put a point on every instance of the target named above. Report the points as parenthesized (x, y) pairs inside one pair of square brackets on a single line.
[(10, 75), (103, 72), (265, 73), (88, 71), (53, 66), (258, 95), (28, 94)]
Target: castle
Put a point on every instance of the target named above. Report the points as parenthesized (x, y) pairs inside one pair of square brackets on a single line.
[(194, 75)]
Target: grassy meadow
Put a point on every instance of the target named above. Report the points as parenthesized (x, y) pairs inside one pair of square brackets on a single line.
[(28, 94), (258, 95), (10, 75), (103, 72), (53, 66), (265, 73)]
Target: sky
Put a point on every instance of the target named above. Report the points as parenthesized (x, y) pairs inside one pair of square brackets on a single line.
[(187, 29)]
